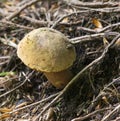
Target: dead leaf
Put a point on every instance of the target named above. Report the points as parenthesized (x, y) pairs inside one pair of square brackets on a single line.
[(97, 23), (65, 20), (4, 116), (5, 110), (105, 99), (99, 26), (117, 44), (105, 41)]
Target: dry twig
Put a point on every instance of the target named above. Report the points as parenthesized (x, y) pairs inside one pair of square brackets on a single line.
[(101, 94), (111, 114), (110, 27), (34, 21), (91, 37), (8, 42), (95, 4), (14, 25), (107, 28), (17, 86), (12, 15), (65, 16), (103, 10), (33, 104), (90, 114)]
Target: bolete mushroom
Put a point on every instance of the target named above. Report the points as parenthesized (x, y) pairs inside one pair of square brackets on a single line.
[(48, 51)]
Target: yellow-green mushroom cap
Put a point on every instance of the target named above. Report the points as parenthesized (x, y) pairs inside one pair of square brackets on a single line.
[(46, 50)]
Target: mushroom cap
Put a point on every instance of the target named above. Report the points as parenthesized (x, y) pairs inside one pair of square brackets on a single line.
[(46, 50)]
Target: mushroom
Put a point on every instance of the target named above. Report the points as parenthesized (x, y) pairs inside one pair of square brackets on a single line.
[(48, 51)]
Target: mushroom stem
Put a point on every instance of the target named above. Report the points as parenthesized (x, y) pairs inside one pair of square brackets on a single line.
[(59, 79)]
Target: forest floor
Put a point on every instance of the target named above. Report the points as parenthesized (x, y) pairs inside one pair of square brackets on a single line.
[(93, 27)]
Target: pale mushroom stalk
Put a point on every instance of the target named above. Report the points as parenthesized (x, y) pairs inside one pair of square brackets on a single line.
[(50, 52), (59, 79)]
